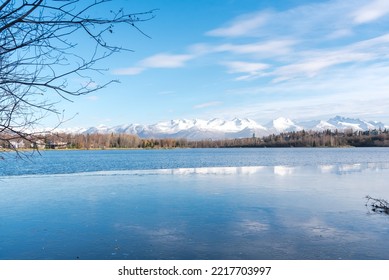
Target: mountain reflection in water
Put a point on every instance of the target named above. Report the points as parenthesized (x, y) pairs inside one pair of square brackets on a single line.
[(283, 211)]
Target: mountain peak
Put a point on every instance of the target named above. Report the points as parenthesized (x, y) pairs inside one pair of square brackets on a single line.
[(217, 128), (283, 124)]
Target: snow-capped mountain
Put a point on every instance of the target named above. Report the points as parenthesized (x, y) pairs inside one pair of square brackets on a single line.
[(202, 129), (318, 125), (283, 125), (355, 124), (197, 129)]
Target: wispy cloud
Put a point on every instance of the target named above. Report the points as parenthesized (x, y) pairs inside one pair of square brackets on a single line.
[(208, 104), (311, 18), (246, 25), (318, 62), (262, 48), (327, 57), (340, 33), (293, 42), (372, 11), (162, 60), (350, 91), (311, 63), (251, 69)]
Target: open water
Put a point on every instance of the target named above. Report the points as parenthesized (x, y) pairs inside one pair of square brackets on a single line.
[(194, 204)]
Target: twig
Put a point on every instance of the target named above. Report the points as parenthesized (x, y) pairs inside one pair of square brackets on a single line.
[(378, 205)]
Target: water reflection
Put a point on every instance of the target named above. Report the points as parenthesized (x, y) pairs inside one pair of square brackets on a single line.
[(351, 168), (247, 170), (279, 170), (283, 170), (257, 212), (327, 168)]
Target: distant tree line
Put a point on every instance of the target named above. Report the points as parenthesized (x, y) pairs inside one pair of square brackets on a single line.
[(327, 138)]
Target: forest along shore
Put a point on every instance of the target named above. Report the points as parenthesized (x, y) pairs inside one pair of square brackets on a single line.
[(328, 138)]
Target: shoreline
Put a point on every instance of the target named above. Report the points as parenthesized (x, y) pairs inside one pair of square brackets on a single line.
[(185, 148)]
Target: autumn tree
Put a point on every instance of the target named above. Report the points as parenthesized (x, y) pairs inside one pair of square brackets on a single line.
[(40, 56)]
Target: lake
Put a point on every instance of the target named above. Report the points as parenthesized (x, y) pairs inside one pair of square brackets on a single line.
[(292, 203)]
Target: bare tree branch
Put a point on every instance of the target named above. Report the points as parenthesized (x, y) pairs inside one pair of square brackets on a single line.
[(377, 205), (39, 55)]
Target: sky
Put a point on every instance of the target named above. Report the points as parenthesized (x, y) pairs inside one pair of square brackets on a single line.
[(304, 60)]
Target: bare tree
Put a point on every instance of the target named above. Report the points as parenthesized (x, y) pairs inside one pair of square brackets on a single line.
[(377, 205), (40, 42)]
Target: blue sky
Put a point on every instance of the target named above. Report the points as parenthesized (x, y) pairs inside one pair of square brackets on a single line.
[(247, 59)]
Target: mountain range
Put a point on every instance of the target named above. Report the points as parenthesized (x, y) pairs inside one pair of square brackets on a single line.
[(216, 128)]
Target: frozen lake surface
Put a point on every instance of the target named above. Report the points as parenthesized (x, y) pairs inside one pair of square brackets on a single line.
[(195, 204)]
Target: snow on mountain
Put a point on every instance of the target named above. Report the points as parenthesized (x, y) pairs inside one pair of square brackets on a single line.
[(342, 123), (197, 129), (235, 125), (317, 125), (283, 125), (100, 129), (172, 126)]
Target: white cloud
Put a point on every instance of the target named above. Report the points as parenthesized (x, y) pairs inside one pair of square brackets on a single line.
[(263, 48), (312, 18), (252, 69), (208, 104), (311, 63), (340, 33), (373, 42), (319, 62), (245, 67), (164, 60), (246, 25), (318, 55), (372, 11), (351, 91)]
